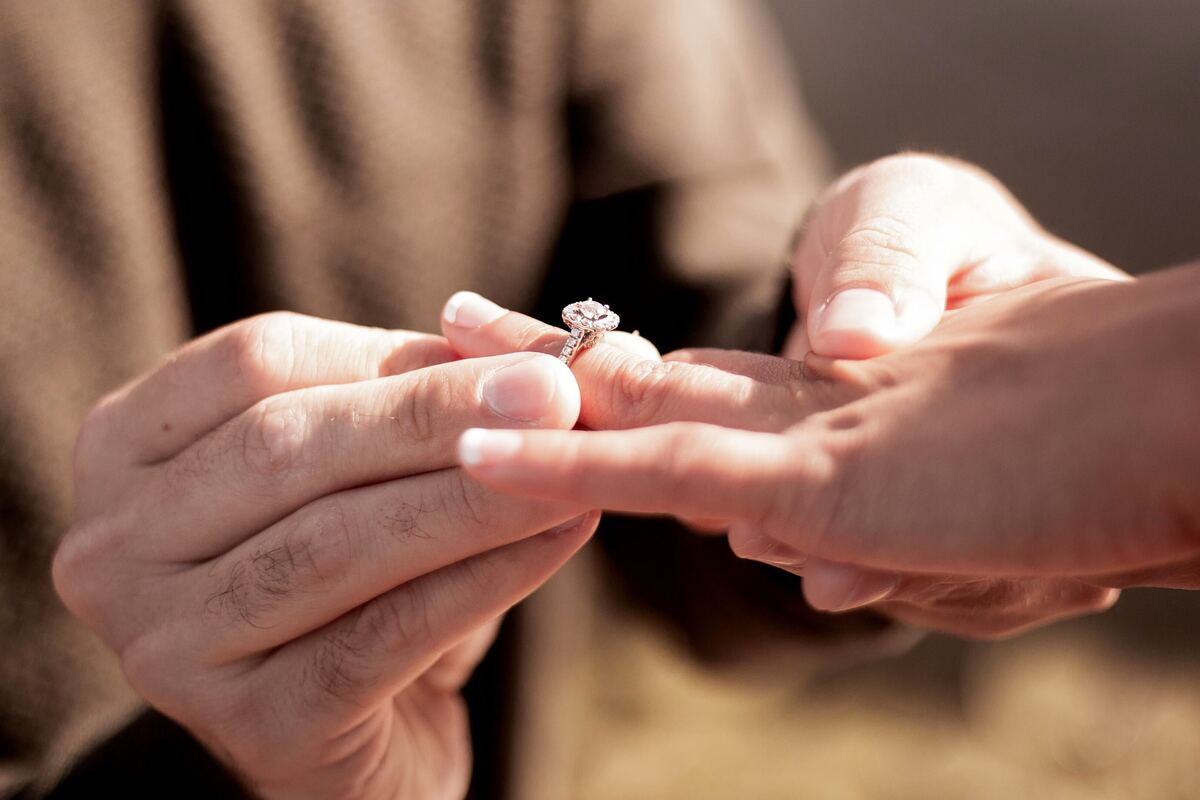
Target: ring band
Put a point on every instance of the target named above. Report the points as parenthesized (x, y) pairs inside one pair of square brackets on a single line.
[(588, 321)]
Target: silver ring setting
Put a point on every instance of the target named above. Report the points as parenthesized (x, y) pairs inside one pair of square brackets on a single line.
[(588, 321)]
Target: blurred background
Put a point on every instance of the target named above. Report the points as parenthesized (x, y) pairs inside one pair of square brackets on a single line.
[(1089, 110)]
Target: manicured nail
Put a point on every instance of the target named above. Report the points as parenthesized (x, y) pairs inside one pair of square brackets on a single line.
[(839, 587), (852, 322), (528, 390), (469, 310), (479, 447)]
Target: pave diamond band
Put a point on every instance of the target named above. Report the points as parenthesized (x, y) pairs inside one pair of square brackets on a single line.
[(588, 321)]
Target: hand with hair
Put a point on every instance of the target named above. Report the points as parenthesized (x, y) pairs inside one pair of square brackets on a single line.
[(1009, 468), (273, 535)]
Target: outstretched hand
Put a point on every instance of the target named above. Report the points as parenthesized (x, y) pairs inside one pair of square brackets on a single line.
[(998, 467), (970, 482)]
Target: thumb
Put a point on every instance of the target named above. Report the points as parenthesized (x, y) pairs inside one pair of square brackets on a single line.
[(867, 321), (873, 267)]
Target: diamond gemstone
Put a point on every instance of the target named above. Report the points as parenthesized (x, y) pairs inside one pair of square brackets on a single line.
[(590, 316), (592, 310)]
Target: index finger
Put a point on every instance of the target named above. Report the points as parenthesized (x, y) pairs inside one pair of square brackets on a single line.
[(622, 389), (684, 469), (218, 376)]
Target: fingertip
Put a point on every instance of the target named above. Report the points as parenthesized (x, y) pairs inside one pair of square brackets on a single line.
[(532, 388), (850, 344), (833, 587), (854, 323), (567, 397), (469, 310), (450, 310), (860, 323), (483, 447)]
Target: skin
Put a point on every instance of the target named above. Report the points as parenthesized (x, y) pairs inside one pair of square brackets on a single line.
[(965, 467), (274, 537), (811, 462)]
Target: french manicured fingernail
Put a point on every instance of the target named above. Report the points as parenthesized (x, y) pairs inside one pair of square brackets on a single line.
[(838, 587), (478, 447), (528, 390), (469, 310), (856, 312)]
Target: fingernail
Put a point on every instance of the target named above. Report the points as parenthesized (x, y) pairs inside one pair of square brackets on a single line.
[(527, 391), (852, 321), (838, 587), (478, 447), (469, 310)]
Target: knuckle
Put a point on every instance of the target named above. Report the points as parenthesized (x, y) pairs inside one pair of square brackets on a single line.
[(398, 621), (274, 438), (876, 248), (78, 569), (402, 520), (330, 673), (638, 393), (391, 624), (262, 351), (159, 666), (420, 409), (315, 551), (466, 500), (326, 542)]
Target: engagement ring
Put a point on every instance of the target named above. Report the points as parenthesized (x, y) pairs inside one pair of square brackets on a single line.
[(588, 321)]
